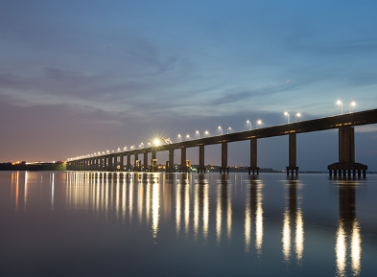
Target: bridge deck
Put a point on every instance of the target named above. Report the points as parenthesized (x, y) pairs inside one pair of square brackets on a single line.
[(326, 123)]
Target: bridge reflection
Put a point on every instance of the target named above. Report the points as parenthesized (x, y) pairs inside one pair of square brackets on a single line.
[(293, 219), (348, 233)]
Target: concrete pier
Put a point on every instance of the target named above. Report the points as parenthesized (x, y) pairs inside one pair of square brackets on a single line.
[(136, 168), (171, 161), (224, 158), (121, 162), (201, 168), (253, 157), (154, 161), (110, 163), (292, 168), (145, 161), (346, 164), (183, 167), (128, 162)]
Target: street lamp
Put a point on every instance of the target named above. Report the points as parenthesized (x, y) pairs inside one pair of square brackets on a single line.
[(287, 115), (187, 136), (352, 104), (259, 122), (248, 122), (180, 137), (297, 115), (341, 106), (206, 133), (220, 130), (198, 133), (125, 148), (228, 129)]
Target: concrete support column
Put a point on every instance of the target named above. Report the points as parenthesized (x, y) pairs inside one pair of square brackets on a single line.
[(347, 144), (183, 160), (201, 159), (346, 162), (136, 159), (224, 158), (110, 167), (253, 157), (171, 160), (101, 163), (121, 162), (292, 155), (128, 162), (292, 150), (145, 161), (154, 161)]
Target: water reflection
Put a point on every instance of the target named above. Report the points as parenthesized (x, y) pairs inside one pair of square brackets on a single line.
[(224, 206), (155, 207), (217, 209), (253, 207), (292, 217), (348, 230)]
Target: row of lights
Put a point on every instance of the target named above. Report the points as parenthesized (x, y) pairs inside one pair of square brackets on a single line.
[(220, 129)]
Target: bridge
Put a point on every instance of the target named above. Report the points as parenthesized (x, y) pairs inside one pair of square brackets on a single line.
[(344, 123)]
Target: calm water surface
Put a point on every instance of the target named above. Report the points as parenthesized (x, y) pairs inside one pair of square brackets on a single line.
[(111, 224)]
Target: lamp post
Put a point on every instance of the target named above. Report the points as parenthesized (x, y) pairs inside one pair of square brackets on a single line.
[(287, 115), (341, 106), (187, 137), (248, 122), (228, 129), (297, 115), (259, 122), (220, 130), (206, 133), (197, 133)]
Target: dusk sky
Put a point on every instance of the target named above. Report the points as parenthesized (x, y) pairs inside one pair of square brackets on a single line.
[(78, 77)]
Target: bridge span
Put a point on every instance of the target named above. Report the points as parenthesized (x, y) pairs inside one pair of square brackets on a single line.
[(344, 123)]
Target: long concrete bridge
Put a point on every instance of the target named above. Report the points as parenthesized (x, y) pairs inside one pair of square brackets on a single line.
[(344, 123)]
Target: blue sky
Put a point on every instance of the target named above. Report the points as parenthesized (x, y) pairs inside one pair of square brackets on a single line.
[(83, 76)]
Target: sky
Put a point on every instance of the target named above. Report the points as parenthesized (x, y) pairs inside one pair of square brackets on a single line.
[(78, 77)]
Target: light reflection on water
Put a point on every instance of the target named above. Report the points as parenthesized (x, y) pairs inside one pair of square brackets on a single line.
[(217, 209)]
